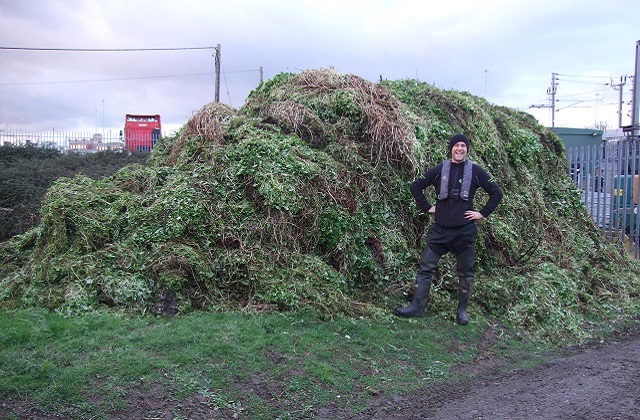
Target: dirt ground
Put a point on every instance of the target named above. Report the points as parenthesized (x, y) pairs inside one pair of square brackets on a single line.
[(598, 382)]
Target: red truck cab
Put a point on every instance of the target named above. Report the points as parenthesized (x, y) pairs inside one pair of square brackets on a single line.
[(141, 132)]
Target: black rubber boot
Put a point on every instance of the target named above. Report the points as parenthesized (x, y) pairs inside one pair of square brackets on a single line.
[(463, 301), (464, 293), (418, 303)]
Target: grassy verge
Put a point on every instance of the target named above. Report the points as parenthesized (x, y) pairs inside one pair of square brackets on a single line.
[(230, 364)]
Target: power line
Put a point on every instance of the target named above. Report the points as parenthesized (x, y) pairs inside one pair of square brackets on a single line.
[(121, 79), (224, 75), (102, 80), (104, 49), (585, 83), (575, 97), (583, 77), (572, 95)]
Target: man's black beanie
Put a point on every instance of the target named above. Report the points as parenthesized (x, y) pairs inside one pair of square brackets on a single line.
[(458, 138)]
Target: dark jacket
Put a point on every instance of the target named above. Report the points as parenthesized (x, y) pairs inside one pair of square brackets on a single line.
[(450, 212)]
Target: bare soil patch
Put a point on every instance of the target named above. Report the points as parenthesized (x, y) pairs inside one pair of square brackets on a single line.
[(600, 381)]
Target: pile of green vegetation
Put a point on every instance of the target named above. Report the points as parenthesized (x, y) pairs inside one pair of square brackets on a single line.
[(27, 172), (300, 199)]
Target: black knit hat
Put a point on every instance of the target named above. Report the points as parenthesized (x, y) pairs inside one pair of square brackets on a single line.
[(458, 138)]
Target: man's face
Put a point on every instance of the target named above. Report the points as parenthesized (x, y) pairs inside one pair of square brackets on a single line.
[(459, 152)]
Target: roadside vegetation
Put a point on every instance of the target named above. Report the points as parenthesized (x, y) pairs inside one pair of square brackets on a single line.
[(273, 242), (27, 172)]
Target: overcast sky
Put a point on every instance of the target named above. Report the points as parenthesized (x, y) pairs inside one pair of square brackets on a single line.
[(504, 50)]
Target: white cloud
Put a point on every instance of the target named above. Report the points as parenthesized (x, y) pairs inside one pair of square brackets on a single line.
[(503, 49)]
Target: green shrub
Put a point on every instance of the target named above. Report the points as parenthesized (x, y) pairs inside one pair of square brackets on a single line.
[(27, 172)]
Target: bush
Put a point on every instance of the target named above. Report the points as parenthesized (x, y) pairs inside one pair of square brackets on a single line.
[(26, 173)]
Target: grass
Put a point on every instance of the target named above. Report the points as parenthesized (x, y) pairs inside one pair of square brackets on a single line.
[(274, 365)]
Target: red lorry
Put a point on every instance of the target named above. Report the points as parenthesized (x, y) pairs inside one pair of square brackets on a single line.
[(141, 132)]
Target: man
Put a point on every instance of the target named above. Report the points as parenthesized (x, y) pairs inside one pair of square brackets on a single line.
[(456, 181)]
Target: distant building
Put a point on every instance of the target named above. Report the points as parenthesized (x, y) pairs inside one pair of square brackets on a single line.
[(95, 144)]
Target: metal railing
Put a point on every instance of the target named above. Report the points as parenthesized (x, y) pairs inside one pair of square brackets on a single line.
[(608, 175), (75, 141)]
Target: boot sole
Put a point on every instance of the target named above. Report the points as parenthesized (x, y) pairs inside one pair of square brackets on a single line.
[(410, 315)]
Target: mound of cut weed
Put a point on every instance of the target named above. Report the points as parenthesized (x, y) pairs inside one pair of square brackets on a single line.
[(300, 198)]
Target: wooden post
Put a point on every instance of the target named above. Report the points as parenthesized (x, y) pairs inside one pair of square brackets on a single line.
[(217, 97)]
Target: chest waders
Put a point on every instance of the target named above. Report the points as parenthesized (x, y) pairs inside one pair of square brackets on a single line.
[(430, 259)]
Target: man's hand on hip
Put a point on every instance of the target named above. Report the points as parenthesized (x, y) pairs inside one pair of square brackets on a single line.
[(473, 215)]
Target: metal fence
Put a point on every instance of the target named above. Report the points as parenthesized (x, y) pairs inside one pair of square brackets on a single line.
[(75, 141), (608, 175)]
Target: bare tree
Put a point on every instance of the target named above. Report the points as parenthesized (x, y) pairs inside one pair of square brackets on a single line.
[(600, 125)]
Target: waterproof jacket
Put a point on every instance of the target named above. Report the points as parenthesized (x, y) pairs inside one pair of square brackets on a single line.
[(450, 211)]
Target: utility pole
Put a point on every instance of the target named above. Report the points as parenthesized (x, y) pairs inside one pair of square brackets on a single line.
[(217, 57), (635, 120), (553, 98), (552, 92), (623, 81), (260, 74)]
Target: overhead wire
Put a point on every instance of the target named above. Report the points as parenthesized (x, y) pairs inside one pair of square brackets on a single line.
[(224, 76), (575, 98), (104, 80), (118, 79), (104, 49), (121, 79), (570, 94)]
